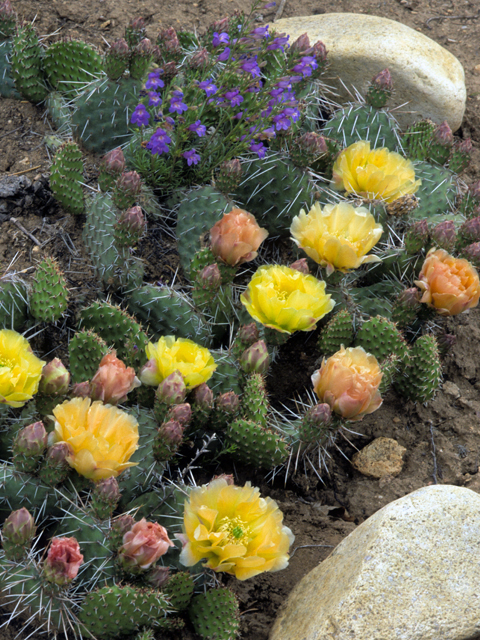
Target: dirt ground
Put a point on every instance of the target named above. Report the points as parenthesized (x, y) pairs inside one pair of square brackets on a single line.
[(441, 439)]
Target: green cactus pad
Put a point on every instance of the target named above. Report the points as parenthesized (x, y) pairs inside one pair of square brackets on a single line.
[(215, 615), (179, 590), (19, 490), (58, 110), (274, 190), (255, 445), (338, 331), (13, 303), (66, 177), (436, 194), (101, 117), (255, 405), (421, 373), (26, 62), (381, 338), (362, 122), (49, 296), (69, 64), (7, 84), (85, 349), (417, 138)]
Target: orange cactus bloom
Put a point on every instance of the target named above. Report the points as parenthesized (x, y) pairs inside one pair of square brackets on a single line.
[(348, 382), (143, 545), (113, 380), (236, 237), (450, 285)]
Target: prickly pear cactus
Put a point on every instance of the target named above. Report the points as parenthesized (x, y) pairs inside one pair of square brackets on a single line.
[(256, 445), (66, 177), (27, 65), (421, 373), (338, 332), (69, 64), (363, 122), (49, 296), (13, 302), (214, 615), (7, 84), (381, 338), (85, 349)]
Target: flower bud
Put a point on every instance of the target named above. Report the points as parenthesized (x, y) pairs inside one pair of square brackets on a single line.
[(301, 44), (55, 467), (158, 576), (143, 48), (220, 25), (443, 134), (116, 60), (31, 441), (301, 265), (120, 526), (181, 413), (105, 497), (248, 334), (203, 397), (135, 31), (169, 43), (320, 53), (472, 254), (469, 232), (319, 414), (417, 237), (229, 175), (19, 528), (256, 358), (450, 285), (127, 188), (142, 546), (81, 389), (312, 427), (172, 432), (308, 148), (172, 389), (63, 561), (140, 59), (229, 479), (228, 402), (199, 60), (348, 382), (55, 379), (7, 20), (444, 235), (236, 237), (113, 380), (113, 162), (209, 278)]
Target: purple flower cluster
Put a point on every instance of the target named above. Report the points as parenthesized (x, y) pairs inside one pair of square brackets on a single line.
[(159, 142), (191, 157), (154, 82), (305, 66), (220, 38), (198, 128), (140, 116), (251, 66), (208, 86), (176, 104)]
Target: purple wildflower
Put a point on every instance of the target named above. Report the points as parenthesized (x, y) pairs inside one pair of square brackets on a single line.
[(234, 97), (260, 31), (191, 157), (154, 81), (198, 128), (278, 43), (258, 148), (294, 114), (140, 116), (251, 66), (224, 55), (220, 38), (255, 88), (281, 121), (159, 141), (208, 87), (270, 5), (154, 100), (176, 104)]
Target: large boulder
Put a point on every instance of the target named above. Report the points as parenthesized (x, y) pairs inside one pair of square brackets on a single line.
[(426, 76), (409, 572)]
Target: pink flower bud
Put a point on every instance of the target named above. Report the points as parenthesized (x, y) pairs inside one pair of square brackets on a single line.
[(58, 454), (301, 265), (472, 254), (203, 396), (301, 44), (32, 440), (137, 24), (256, 358), (320, 53), (229, 175), (158, 576), (171, 432), (120, 49), (133, 220), (248, 334), (130, 182), (122, 524), (55, 379), (143, 545), (81, 389), (443, 134), (63, 561), (143, 48), (220, 25), (19, 528), (113, 380), (209, 277), (236, 237), (444, 235), (409, 298), (149, 373), (114, 161), (200, 59), (383, 80), (469, 231), (107, 490), (417, 236), (228, 402), (7, 20), (319, 415), (168, 40), (181, 413), (172, 389)]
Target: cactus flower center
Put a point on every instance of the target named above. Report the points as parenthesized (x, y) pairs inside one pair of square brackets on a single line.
[(236, 529)]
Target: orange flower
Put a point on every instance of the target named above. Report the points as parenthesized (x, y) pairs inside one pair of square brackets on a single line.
[(113, 380), (449, 284), (63, 561), (348, 382), (236, 237), (143, 545)]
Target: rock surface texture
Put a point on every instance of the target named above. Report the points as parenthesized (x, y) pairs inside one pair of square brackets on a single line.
[(382, 457), (425, 75), (409, 572)]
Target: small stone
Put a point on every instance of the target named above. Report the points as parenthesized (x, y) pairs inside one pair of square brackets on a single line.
[(409, 572), (382, 457), (451, 389), (476, 69), (425, 75)]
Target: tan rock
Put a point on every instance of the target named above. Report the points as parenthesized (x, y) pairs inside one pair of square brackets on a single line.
[(382, 457), (425, 75), (409, 572)]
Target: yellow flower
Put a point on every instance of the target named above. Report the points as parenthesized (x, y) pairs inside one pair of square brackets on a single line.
[(287, 300), (450, 285), (20, 369), (103, 438), (195, 363), (348, 382), (337, 237), (374, 174), (235, 529)]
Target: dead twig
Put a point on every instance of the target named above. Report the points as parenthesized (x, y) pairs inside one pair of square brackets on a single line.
[(19, 173), (27, 233), (280, 10), (450, 18)]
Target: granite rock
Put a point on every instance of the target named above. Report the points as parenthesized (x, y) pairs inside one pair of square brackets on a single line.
[(409, 572), (425, 75)]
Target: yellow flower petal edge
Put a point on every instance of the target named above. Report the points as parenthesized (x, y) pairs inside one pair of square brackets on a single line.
[(285, 299), (377, 174), (20, 369), (102, 438), (195, 363), (337, 236), (235, 530)]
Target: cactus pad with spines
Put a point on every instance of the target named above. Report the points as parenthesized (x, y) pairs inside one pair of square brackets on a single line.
[(66, 177), (13, 303), (69, 64), (215, 614), (381, 338), (255, 445), (49, 296), (7, 84), (421, 372), (417, 138), (363, 122), (86, 349), (26, 64), (338, 331), (179, 590), (255, 405)]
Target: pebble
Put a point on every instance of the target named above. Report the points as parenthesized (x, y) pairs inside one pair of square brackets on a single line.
[(425, 75), (409, 572), (382, 457)]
